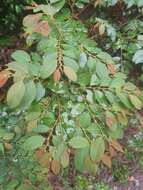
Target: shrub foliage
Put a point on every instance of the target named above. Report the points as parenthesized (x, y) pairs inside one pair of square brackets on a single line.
[(69, 98)]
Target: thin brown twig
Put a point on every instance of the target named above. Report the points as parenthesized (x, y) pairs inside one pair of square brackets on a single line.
[(54, 125)]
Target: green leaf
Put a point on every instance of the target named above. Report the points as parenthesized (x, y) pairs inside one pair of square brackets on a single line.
[(91, 63), (59, 150), (83, 59), (18, 67), (54, 1), (116, 134), (49, 66), (105, 57), (139, 3), (29, 95), (34, 142), (125, 100), (129, 86), (110, 96), (15, 94), (89, 165), (71, 63), (85, 119), (136, 102), (84, 78), (138, 57), (78, 142), (1, 148), (8, 136), (40, 91), (97, 149), (70, 73), (79, 158), (41, 128), (21, 56), (102, 70), (117, 83), (65, 159)]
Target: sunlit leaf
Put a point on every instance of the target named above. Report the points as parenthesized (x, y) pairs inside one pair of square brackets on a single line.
[(15, 94), (78, 142), (136, 101), (34, 142), (70, 73)]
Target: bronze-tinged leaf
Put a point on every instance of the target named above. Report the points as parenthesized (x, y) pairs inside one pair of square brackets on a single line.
[(122, 118), (4, 76), (45, 160), (110, 119), (106, 159), (57, 76), (39, 153), (42, 27), (31, 125), (70, 73), (33, 23), (112, 151), (55, 166), (111, 68), (90, 166), (116, 145), (31, 20), (8, 146), (65, 159)]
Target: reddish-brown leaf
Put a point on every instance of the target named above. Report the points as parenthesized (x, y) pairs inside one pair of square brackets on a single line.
[(112, 151), (42, 27), (55, 166), (8, 146), (109, 121), (39, 153), (57, 75), (4, 76), (70, 73), (45, 160), (106, 159), (116, 145), (111, 68)]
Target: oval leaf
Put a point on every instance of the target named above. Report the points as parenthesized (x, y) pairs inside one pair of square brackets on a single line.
[(125, 100), (21, 56), (49, 66), (106, 159), (65, 159), (78, 142), (97, 149), (136, 102), (116, 145), (29, 95), (55, 166), (57, 75), (70, 73), (15, 94), (34, 142), (4, 76), (79, 158)]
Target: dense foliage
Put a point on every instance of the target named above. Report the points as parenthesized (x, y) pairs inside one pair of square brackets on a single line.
[(69, 99)]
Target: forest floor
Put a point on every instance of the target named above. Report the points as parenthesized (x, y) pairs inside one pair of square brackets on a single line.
[(126, 172)]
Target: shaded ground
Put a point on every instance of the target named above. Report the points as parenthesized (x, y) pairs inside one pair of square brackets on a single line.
[(126, 174)]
